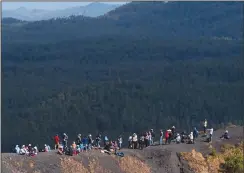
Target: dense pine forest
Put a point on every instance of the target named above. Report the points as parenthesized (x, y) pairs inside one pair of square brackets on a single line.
[(143, 65)]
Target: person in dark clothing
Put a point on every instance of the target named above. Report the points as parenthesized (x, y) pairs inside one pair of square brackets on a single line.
[(141, 142), (65, 140), (78, 139), (108, 146), (183, 137), (225, 135), (152, 136), (90, 141), (98, 140), (105, 140), (29, 148), (173, 132), (70, 151)]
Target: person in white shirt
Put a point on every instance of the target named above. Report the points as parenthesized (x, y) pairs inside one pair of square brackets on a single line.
[(150, 138), (130, 142), (191, 138), (205, 124), (17, 149), (134, 141), (161, 137), (35, 150), (120, 142), (178, 138), (22, 150), (210, 134)]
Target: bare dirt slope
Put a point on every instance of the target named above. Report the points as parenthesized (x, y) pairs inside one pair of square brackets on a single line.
[(160, 159)]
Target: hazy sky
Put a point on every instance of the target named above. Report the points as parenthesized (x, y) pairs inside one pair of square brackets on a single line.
[(47, 5)]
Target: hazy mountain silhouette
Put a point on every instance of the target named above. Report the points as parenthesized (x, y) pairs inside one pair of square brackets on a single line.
[(92, 10)]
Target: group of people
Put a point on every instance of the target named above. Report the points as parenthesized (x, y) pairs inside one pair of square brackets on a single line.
[(85, 144), (29, 150), (147, 138), (134, 142)]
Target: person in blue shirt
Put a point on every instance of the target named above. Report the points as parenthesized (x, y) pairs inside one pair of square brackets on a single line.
[(195, 134), (105, 140), (85, 143)]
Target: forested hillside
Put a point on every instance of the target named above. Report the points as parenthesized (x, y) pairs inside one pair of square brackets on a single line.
[(138, 67)]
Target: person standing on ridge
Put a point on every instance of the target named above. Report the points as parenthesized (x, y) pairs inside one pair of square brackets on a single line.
[(210, 135), (173, 131), (178, 138), (85, 143), (120, 142), (98, 140), (142, 141), (65, 140), (161, 137), (170, 136), (130, 142), (78, 139), (166, 137), (90, 141), (195, 134), (56, 142), (205, 124), (105, 140), (134, 141), (146, 139), (191, 138), (152, 136)]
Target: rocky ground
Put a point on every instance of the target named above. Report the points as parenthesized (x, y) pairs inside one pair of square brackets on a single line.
[(155, 159)]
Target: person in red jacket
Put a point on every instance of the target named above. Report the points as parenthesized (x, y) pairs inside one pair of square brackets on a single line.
[(56, 141), (166, 137)]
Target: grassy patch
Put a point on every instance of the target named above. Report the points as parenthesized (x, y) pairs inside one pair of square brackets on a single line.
[(196, 161), (69, 165), (131, 164), (234, 159)]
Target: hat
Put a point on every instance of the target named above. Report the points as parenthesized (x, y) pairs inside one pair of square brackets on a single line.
[(29, 145), (226, 131), (173, 127)]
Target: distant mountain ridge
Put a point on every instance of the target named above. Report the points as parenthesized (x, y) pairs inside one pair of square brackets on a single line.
[(91, 10), (188, 20)]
